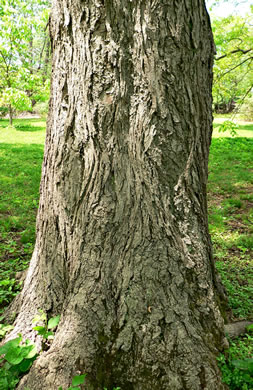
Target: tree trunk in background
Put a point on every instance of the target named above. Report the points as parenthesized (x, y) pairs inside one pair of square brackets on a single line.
[(10, 111), (46, 61), (123, 251)]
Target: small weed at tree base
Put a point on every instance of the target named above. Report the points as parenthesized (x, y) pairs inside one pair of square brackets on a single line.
[(236, 364)]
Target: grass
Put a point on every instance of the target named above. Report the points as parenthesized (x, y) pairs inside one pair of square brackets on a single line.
[(240, 351), (230, 201), (24, 131), (21, 152)]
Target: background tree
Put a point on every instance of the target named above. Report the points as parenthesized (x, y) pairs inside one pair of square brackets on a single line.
[(123, 251), (233, 66), (23, 65)]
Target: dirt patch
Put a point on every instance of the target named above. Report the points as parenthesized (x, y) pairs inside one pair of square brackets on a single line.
[(239, 121), (237, 225), (215, 200), (24, 115)]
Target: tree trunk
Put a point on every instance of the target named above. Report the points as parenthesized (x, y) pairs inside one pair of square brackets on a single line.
[(10, 110), (123, 251), (46, 61)]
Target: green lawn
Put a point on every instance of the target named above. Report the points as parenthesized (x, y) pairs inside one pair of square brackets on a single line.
[(24, 131), (21, 153), (230, 209), (230, 201)]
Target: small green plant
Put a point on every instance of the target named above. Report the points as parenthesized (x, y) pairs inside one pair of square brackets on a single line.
[(45, 328), (76, 382), (237, 279), (115, 388), (237, 365), (16, 359), (4, 329), (245, 365), (249, 329), (229, 126), (8, 290)]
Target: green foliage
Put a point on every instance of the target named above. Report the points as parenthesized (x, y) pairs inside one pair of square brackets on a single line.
[(79, 380), (228, 126), (53, 322), (44, 327), (233, 76), (17, 358), (3, 111), (115, 388), (15, 98), (8, 290), (242, 129), (40, 317), (238, 281), (237, 364), (76, 381), (23, 65), (249, 329), (4, 329), (245, 365)]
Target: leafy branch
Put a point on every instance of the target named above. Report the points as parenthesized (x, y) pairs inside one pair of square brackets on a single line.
[(233, 52)]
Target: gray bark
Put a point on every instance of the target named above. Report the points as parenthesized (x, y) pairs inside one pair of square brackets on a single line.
[(123, 251)]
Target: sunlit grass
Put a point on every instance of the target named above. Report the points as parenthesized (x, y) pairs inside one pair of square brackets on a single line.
[(23, 131), (230, 195)]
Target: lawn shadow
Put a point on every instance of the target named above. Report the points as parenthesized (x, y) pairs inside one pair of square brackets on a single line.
[(247, 126), (28, 128), (19, 197), (24, 125)]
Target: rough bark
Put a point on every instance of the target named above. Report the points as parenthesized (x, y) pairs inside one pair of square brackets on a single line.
[(123, 251)]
